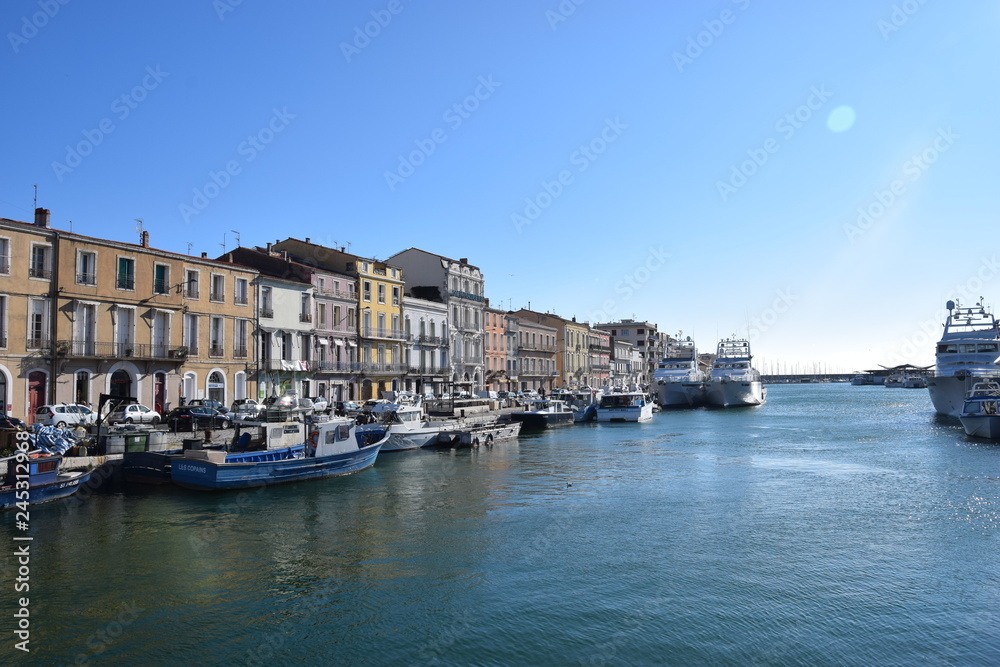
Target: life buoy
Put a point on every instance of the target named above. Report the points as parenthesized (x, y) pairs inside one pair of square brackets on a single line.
[(314, 438)]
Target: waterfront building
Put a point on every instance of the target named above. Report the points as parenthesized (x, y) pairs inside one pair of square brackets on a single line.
[(426, 355), (599, 348), (302, 348), (81, 316), (621, 363), (646, 339), (572, 339), (380, 311), (537, 351), (458, 285), (500, 349)]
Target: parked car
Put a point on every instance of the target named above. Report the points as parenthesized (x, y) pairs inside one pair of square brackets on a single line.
[(11, 422), (207, 403), (134, 413), (320, 404), (346, 408), (192, 418), (64, 415), (245, 405)]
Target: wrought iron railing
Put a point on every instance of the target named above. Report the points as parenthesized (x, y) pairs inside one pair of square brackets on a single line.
[(125, 282), (86, 279)]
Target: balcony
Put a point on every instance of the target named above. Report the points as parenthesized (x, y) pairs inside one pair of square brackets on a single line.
[(241, 299), (431, 340), (3, 341), (39, 272), (125, 282), (90, 349), (599, 347), (300, 365), (373, 368), (217, 295), (191, 292), (338, 366), (161, 287), (240, 353), (5, 265), (328, 291), (37, 343), (86, 279), (266, 311), (465, 295), (426, 371), (305, 317), (390, 334), (538, 347), (216, 351)]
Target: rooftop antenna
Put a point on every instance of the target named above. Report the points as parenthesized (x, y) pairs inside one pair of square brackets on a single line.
[(189, 247), (237, 238), (138, 228), (36, 195), (223, 244), (70, 226)]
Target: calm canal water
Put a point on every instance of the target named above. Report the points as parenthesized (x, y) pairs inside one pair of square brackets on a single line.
[(834, 525)]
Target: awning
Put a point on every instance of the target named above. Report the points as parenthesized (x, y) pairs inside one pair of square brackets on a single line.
[(321, 341), (338, 342), (352, 343)]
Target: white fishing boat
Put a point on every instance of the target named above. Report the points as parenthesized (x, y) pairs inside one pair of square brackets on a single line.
[(625, 407), (966, 354), (406, 426), (734, 382), (914, 382), (981, 413), (583, 402), (677, 380), (894, 381), (543, 413)]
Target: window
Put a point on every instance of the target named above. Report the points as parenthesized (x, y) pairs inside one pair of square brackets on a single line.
[(306, 346), (336, 324), (126, 273), (350, 319), (40, 267), (395, 296), (286, 347), (240, 292), (320, 315), (395, 326), (218, 289), (161, 279), (3, 322), (240, 331), (38, 324), (216, 329), (124, 319), (305, 314), (367, 317), (191, 284), (4, 258), (366, 290), (86, 268), (191, 334), (81, 391), (266, 309), (381, 324), (381, 293)]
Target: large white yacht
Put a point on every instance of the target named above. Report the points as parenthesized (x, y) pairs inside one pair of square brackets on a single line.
[(677, 380), (734, 382), (966, 354)]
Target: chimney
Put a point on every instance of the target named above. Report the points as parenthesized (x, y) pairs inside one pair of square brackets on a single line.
[(145, 239), (268, 247), (42, 217), (463, 260), (343, 248), (307, 239), (204, 255)]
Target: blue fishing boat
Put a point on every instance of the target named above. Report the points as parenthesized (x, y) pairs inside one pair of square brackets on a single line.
[(333, 448), (45, 482)]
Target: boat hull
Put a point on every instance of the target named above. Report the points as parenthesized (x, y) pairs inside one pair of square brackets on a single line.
[(735, 393), (948, 392), (633, 413), (681, 394), (149, 467), (65, 485), (981, 426), (531, 421), (209, 476)]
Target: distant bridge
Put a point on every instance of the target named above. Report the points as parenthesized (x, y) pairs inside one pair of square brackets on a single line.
[(807, 378)]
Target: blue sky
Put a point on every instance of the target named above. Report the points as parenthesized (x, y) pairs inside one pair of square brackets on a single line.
[(669, 161)]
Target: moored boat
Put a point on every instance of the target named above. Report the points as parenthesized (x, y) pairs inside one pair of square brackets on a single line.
[(406, 426), (583, 402), (980, 415), (678, 381), (334, 448), (40, 480), (966, 354), (543, 413), (734, 382), (625, 407)]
